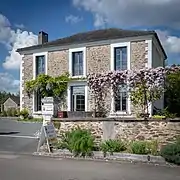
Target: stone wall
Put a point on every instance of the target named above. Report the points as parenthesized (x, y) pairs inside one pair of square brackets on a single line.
[(27, 74), (162, 130), (98, 61), (138, 55), (58, 62)]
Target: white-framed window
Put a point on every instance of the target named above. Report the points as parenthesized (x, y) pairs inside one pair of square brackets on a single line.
[(77, 96), (39, 67), (77, 62), (120, 60)]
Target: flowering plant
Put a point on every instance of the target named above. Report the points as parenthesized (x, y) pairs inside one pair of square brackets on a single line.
[(145, 85)]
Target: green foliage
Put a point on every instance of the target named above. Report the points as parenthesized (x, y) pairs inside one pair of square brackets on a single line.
[(4, 114), (4, 95), (153, 147), (171, 152), (165, 113), (31, 120), (158, 117), (141, 96), (12, 112), (172, 93), (65, 140), (79, 141), (112, 146), (48, 86), (138, 147), (24, 113), (57, 125)]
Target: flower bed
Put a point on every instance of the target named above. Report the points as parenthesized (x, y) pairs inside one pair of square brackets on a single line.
[(81, 143)]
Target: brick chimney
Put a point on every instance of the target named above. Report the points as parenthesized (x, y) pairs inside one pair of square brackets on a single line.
[(42, 37)]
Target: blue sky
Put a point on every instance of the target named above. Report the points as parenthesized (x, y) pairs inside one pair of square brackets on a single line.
[(61, 18)]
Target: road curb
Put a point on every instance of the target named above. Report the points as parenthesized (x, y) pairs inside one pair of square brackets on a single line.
[(116, 157)]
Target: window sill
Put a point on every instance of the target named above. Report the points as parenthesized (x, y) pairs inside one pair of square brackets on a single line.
[(120, 114), (37, 112), (77, 77)]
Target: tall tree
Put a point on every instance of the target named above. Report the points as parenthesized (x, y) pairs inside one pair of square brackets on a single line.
[(172, 93)]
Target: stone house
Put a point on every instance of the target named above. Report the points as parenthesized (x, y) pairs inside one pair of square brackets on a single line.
[(11, 102), (83, 53)]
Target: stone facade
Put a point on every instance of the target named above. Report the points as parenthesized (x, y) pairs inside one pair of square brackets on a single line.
[(139, 60), (98, 61), (160, 130), (138, 55), (27, 74), (58, 62)]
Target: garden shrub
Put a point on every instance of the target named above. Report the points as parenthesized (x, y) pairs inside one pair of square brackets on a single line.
[(112, 146), (171, 152), (78, 141), (9, 112), (4, 113), (24, 113), (138, 147), (12, 112), (153, 147), (57, 125)]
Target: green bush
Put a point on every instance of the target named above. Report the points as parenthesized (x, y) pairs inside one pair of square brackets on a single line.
[(153, 147), (9, 112), (12, 112), (4, 113), (79, 141), (112, 146), (24, 113), (138, 147), (171, 153), (65, 140)]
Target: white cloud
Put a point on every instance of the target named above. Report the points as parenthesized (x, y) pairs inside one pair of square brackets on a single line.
[(20, 26), (14, 39), (5, 29), (99, 21), (171, 43), (133, 13), (73, 19), (8, 83)]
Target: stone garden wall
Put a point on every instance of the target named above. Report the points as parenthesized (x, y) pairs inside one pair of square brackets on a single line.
[(104, 128)]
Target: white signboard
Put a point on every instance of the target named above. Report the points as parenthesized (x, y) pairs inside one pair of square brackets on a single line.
[(48, 100), (48, 109), (50, 132)]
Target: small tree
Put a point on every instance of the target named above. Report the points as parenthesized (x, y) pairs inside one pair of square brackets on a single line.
[(147, 86)]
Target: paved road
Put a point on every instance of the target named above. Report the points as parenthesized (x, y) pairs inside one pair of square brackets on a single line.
[(18, 137), (28, 168)]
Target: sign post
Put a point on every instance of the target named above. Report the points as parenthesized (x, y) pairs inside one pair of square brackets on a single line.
[(47, 130)]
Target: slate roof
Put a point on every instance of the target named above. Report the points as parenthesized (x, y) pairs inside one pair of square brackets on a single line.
[(16, 99), (93, 36)]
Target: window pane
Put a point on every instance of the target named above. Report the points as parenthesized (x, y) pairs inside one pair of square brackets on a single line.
[(120, 60), (37, 102), (121, 99), (40, 65), (78, 98), (77, 63)]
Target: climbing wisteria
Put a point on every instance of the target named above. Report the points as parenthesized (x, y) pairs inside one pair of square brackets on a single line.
[(150, 81)]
